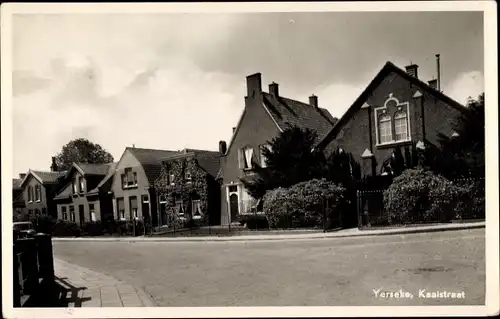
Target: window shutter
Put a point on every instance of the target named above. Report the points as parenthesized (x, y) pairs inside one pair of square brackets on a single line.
[(241, 160)]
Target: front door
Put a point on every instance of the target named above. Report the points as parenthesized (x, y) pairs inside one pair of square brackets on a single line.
[(81, 212), (233, 206)]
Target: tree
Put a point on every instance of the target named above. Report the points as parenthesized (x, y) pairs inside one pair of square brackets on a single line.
[(291, 159), (81, 150), (463, 153)]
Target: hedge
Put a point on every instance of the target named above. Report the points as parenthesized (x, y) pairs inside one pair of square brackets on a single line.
[(303, 204), (419, 195)]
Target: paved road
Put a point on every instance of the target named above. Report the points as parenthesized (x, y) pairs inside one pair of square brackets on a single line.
[(321, 272)]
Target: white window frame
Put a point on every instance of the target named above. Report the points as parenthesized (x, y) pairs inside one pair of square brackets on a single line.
[(396, 120), (171, 179), (386, 124), (162, 199), (247, 157), (147, 199), (195, 203), (401, 106), (38, 194), (81, 184)]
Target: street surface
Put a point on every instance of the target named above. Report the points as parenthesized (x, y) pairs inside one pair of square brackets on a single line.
[(362, 271)]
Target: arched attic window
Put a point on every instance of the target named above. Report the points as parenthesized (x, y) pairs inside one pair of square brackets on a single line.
[(384, 127), (401, 126)]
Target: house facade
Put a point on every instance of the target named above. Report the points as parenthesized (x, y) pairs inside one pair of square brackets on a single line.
[(396, 110), (264, 116), (132, 187), (85, 195), (18, 203), (38, 191), (187, 188)]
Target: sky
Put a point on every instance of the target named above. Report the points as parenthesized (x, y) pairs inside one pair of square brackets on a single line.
[(171, 81)]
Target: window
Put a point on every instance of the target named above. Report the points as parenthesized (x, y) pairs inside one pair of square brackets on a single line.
[(82, 184), (233, 188), (163, 199), (401, 126), (30, 194), (133, 207), (120, 206), (262, 156), (129, 179), (385, 130), (92, 212), (75, 191), (145, 199), (197, 213), (37, 193), (245, 157), (72, 216), (172, 179), (187, 176), (64, 213)]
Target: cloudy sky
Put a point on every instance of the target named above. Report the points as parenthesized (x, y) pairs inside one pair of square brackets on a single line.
[(171, 81)]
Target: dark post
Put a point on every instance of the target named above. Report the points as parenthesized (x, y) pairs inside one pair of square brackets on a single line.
[(358, 208), (16, 278), (324, 215), (45, 257)]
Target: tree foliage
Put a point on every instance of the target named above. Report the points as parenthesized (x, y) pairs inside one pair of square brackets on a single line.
[(291, 159), (463, 154), (81, 150)]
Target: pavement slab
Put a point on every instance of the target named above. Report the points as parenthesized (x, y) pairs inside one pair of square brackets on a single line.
[(88, 288)]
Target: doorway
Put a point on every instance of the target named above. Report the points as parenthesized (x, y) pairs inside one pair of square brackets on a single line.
[(81, 213), (233, 206)]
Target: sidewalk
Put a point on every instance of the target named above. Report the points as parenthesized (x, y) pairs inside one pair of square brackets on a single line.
[(87, 288), (353, 232)]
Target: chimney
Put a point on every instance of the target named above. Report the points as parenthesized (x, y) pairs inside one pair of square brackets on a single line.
[(433, 84), (273, 89), (53, 167), (22, 175), (412, 70), (254, 85), (222, 147), (438, 66), (313, 100)]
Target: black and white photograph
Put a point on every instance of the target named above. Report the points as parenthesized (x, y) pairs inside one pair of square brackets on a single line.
[(249, 159)]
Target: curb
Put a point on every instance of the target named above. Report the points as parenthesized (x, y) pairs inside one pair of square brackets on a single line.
[(361, 233)]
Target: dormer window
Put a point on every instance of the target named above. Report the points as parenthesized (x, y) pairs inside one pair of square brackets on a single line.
[(82, 184), (129, 178), (75, 187)]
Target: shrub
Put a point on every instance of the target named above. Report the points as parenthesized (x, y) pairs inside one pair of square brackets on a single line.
[(472, 199), (93, 228), (420, 195), (302, 204), (66, 229), (43, 224)]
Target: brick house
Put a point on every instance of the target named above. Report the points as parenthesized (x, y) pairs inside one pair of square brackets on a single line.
[(18, 204), (264, 116), (187, 188), (84, 195), (38, 191), (132, 185), (395, 109)]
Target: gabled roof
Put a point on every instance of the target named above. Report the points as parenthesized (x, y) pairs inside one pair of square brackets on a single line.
[(89, 169), (209, 161), (16, 183), (388, 68), (150, 159), (44, 177), (109, 174), (287, 112), (104, 170)]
